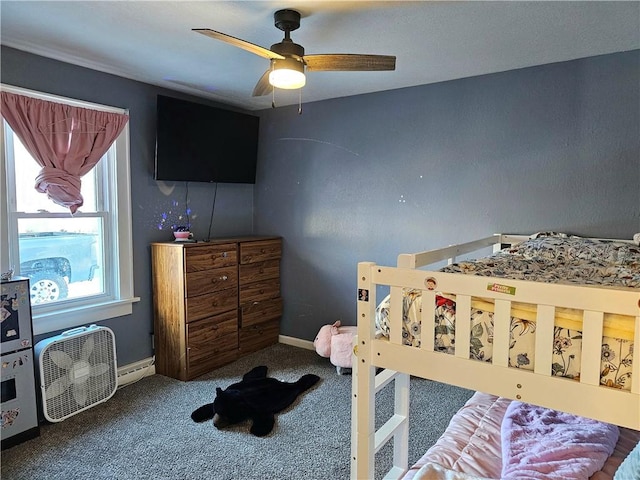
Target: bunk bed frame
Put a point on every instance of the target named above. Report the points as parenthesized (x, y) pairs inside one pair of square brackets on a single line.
[(398, 362)]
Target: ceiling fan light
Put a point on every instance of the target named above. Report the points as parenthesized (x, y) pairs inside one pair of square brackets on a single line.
[(288, 79), (287, 74)]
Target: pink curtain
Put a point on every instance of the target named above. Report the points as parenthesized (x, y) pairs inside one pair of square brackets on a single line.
[(66, 142)]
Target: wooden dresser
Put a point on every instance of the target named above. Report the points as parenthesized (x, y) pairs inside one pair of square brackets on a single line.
[(213, 302)]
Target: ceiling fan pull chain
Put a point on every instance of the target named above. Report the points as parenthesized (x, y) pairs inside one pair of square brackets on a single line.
[(273, 97), (299, 101)]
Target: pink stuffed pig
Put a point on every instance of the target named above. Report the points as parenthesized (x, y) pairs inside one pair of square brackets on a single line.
[(335, 343)]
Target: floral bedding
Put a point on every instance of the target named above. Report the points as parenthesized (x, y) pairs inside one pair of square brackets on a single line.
[(546, 257)]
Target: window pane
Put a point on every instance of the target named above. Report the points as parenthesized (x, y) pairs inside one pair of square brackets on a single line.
[(61, 257), (28, 199)]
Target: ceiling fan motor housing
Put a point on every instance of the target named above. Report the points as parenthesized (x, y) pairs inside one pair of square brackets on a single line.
[(287, 20), (287, 48)]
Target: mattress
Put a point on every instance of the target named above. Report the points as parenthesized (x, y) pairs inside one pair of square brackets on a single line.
[(470, 448)]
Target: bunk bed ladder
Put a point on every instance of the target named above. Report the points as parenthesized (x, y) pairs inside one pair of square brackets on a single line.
[(396, 427), (365, 440)]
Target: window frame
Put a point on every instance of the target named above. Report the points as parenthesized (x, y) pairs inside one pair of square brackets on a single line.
[(117, 234)]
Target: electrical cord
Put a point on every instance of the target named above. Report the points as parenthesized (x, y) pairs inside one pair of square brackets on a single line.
[(187, 210), (213, 207)]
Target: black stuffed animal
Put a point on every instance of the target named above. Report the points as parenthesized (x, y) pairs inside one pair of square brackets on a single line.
[(256, 397)]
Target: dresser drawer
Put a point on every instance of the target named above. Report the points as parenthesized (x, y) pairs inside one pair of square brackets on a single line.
[(207, 281), (260, 291), (255, 272), (251, 252), (206, 257), (202, 334), (211, 304), (260, 312), (224, 350), (259, 336)]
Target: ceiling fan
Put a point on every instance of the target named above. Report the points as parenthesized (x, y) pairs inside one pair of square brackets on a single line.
[(288, 61)]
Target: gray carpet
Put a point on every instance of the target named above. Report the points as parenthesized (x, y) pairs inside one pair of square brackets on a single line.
[(145, 431)]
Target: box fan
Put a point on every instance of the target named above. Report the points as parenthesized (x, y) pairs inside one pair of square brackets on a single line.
[(78, 370)]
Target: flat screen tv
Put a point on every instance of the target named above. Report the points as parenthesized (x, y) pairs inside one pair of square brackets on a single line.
[(199, 143)]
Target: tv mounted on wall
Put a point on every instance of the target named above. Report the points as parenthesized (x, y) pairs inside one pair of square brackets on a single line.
[(199, 143)]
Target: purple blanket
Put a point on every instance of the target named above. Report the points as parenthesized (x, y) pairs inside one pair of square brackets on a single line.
[(538, 443)]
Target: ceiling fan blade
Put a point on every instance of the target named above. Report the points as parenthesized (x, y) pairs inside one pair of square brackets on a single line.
[(349, 62), (263, 87), (236, 42)]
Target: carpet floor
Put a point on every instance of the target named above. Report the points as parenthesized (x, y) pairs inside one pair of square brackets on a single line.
[(145, 431)]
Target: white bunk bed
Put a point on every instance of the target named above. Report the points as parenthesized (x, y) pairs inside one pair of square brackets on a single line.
[(396, 362)]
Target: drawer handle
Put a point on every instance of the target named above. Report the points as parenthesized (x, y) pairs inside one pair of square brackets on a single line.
[(256, 303), (224, 277), (225, 254)]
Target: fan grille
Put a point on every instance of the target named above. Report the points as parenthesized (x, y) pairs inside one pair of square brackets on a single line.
[(88, 378)]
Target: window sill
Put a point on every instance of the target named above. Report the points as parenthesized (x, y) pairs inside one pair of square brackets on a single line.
[(72, 317)]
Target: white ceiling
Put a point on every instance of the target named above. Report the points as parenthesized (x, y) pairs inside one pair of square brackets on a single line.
[(152, 41)]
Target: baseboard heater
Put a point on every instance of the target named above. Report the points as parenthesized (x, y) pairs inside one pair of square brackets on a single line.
[(133, 372)]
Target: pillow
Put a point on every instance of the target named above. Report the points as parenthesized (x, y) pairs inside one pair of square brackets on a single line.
[(630, 467)]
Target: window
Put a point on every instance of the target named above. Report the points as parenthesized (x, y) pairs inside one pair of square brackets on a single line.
[(79, 266)]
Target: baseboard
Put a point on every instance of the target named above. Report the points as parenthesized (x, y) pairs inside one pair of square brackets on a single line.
[(131, 373), (296, 342), (135, 371)]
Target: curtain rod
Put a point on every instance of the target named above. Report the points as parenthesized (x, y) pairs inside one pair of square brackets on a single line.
[(65, 100)]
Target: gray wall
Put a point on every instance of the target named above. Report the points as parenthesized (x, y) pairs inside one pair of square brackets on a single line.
[(368, 177), (149, 199), (365, 178)]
